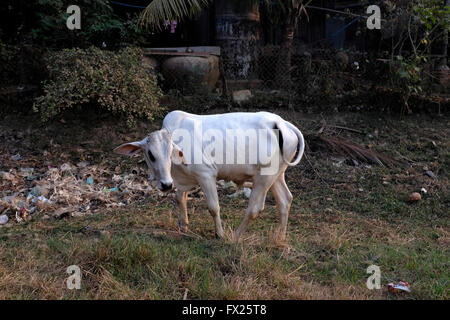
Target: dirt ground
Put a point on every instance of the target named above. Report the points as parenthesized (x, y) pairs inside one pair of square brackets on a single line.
[(71, 201)]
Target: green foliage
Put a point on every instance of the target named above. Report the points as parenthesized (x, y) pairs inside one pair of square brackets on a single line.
[(431, 13), (158, 11), (426, 22), (98, 24), (116, 82)]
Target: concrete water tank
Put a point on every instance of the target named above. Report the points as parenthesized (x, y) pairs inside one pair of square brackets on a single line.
[(238, 35)]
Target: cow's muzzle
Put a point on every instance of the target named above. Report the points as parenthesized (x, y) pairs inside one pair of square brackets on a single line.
[(166, 187)]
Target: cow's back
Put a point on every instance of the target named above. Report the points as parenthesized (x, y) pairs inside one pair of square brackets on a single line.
[(235, 120)]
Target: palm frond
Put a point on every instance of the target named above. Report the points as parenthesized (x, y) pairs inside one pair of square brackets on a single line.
[(160, 11), (351, 150)]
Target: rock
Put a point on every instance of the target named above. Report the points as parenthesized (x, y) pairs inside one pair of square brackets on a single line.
[(415, 196), (241, 96), (3, 219)]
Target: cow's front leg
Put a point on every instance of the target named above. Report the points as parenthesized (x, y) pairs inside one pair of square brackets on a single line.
[(183, 221), (209, 188)]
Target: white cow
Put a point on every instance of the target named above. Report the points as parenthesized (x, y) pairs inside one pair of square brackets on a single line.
[(192, 150)]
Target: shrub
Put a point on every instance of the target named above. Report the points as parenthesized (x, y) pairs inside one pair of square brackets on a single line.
[(115, 81)]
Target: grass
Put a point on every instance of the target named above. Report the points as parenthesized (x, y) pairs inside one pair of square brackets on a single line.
[(343, 219)]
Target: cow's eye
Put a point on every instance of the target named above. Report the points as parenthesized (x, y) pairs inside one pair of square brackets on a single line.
[(150, 155)]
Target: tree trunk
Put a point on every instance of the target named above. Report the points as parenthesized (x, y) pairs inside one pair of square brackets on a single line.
[(283, 74), (285, 56)]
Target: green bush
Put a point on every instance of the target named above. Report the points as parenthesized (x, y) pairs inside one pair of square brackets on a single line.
[(114, 81)]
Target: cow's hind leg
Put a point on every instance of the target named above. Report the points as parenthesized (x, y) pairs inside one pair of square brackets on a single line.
[(183, 221), (283, 197), (261, 185), (210, 190)]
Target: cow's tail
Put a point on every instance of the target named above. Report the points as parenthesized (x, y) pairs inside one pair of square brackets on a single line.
[(301, 144)]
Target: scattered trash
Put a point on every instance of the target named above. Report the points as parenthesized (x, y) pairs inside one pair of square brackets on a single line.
[(241, 96), (399, 287), (82, 164), (16, 157), (423, 190), (35, 199), (40, 190), (227, 185), (53, 192), (4, 219), (106, 190), (65, 167), (244, 191), (25, 172), (415, 196), (430, 174), (6, 176), (247, 192)]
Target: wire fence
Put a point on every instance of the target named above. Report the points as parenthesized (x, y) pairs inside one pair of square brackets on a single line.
[(302, 69), (306, 71)]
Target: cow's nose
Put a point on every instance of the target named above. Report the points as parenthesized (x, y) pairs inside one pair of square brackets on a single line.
[(166, 187)]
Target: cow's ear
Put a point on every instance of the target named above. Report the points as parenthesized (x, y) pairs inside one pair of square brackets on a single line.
[(177, 155), (129, 149)]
